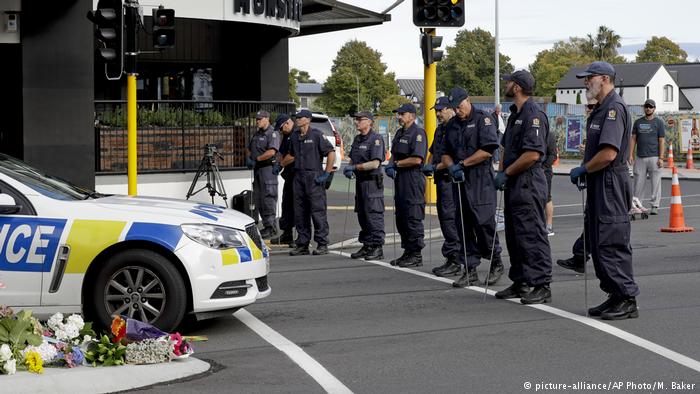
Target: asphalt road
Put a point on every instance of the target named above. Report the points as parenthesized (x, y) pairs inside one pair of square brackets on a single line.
[(378, 329)]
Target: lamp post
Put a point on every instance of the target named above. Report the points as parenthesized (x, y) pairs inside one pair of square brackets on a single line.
[(497, 80)]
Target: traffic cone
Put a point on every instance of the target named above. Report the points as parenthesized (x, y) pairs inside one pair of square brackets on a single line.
[(676, 222), (689, 160), (670, 156), (556, 161)]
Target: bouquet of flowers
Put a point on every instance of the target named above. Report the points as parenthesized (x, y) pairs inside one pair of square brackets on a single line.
[(17, 332)]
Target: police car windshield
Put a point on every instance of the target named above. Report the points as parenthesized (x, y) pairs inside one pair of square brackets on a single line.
[(45, 184)]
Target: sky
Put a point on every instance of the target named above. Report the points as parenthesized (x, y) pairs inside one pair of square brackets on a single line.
[(525, 28)]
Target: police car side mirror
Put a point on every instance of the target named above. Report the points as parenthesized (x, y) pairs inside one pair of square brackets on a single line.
[(8, 205)]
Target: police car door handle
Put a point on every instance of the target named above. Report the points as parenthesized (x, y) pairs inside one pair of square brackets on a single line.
[(61, 262)]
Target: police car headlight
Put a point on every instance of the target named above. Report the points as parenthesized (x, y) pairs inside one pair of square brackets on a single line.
[(215, 237)]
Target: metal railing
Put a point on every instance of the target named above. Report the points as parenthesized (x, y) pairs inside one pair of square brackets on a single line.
[(171, 135)]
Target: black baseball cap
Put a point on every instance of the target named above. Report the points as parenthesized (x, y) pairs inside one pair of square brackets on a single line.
[(262, 114), (441, 103), (408, 107), (456, 96), (304, 113), (364, 114), (523, 79), (650, 102), (598, 68), (279, 121)]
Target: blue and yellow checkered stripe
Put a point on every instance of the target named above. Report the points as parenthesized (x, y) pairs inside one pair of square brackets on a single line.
[(243, 254)]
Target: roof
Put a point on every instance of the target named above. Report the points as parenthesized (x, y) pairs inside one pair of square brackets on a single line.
[(309, 88), (683, 102), (688, 74), (322, 16), (628, 75), (411, 88)]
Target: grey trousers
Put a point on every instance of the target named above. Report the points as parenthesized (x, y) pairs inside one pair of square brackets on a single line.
[(642, 167)]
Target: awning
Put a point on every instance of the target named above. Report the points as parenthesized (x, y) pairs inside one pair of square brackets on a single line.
[(322, 16)]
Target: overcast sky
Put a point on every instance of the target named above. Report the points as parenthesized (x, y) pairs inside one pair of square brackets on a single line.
[(526, 27)]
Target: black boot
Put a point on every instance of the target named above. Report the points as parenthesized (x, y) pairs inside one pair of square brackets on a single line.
[(598, 310), (469, 278), (320, 250), (450, 268), (540, 294), (284, 238), (299, 251), (574, 263), (400, 259), (516, 290), (414, 259), (496, 270), (442, 267), (360, 253), (375, 253), (268, 232), (623, 309)]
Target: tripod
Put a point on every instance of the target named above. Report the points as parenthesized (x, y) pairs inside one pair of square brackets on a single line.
[(215, 186)]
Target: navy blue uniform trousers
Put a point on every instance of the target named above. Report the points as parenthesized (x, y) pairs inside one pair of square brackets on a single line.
[(409, 199), (310, 206)]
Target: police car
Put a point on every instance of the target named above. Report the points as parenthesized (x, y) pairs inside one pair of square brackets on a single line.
[(157, 260)]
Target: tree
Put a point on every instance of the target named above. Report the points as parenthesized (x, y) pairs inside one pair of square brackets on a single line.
[(357, 68), (603, 46), (293, 86), (662, 50), (470, 63), (390, 103), (551, 65)]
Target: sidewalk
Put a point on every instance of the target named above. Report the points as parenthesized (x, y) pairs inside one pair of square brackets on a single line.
[(100, 379), (565, 167)]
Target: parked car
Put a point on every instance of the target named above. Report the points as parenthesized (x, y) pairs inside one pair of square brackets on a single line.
[(322, 122), (67, 249)]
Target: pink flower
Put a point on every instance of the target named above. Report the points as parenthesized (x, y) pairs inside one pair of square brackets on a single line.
[(177, 348)]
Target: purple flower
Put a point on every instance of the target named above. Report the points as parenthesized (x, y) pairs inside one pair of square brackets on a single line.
[(77, 356)]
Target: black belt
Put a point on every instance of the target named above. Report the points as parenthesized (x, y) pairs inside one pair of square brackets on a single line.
[(367, 177), (263, 164)]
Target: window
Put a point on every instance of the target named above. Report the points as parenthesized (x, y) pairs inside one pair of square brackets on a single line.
[(647, 92), (304, 102), (668, 93)]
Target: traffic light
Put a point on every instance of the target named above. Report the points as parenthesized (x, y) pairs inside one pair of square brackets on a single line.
[(163, 28), (438, 13), (428, 43), (108, 19)]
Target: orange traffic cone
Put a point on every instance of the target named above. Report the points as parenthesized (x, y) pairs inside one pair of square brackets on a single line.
[(670, 156), (556, 161), (689, 160), (677, 222)]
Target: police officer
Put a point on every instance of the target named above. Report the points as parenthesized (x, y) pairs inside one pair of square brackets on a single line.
[(285, 125), (366, 155), (261, 152), (609, 193), (522, 176), (408, 150), (445, 202), (471, 139), (308, 147)]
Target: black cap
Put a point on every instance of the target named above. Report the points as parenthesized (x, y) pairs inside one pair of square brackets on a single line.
[(598, 68), (304, 113), (523, 79), (408, 107), (364, 114), (262, 114), (281, 118), (441, 103), (456, 96), (650, 102)]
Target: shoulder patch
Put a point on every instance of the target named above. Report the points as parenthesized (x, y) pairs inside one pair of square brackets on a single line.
[(536, 122), (376, 142), (487, 121), (612, 114), (274, 135), (419, 138)]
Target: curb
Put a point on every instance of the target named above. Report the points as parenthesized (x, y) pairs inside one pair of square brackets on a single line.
[(101, 379)]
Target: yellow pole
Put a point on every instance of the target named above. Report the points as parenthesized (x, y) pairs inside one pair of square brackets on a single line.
[(131, 131), (429, 116)]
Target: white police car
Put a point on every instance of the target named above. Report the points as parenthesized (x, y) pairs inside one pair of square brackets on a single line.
[(66, 249)]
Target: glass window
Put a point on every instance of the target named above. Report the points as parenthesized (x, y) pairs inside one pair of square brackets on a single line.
[(304, 102), (45, 184), (668, 93)]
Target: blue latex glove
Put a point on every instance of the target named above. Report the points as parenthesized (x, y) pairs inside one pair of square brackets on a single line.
[(250, 163), (276, 169), (390, 170), (577, 173), (499, 181), (349, 171), (321, 179), (428, 169), (456, 172)]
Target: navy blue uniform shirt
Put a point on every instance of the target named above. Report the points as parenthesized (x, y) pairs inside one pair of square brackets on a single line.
[(264, 140), (437, 149), (466, 136), (308, 150), (527, 130), (411, 142), (366, 148), (608, 126)]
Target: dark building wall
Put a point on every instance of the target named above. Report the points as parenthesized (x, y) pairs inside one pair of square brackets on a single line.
[(58, 88), (10, 104), (274, 68)]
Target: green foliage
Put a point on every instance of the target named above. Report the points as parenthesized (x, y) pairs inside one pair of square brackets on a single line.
[(357, 67), (390, 103), (18, 331), (578, 98), (105, 353), (166, 117), (662, 50), (551, 65), (603, 46), (302, 76), (292, 78), (470, 63)]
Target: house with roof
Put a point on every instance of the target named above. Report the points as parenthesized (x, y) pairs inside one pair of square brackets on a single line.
[(308, 93), (638, 81), (412, 89), (687, 76)]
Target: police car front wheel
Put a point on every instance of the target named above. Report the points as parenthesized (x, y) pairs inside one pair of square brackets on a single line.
[(143, 285)]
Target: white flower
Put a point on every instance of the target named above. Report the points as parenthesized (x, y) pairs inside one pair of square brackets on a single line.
[(10, 366), (56, 321), (46, 350), (71, 331), (77, 321), (87, 338), (5, 353), (61, 334)]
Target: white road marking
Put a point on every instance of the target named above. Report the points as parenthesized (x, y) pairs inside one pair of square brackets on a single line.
[(599, 325), (312, 367), (581, 214)]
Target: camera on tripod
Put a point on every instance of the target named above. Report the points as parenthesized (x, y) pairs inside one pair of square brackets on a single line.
[(210, 171), (210, 150)]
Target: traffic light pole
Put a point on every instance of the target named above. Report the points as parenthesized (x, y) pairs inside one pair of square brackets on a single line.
[(429, 116), (131, 51)]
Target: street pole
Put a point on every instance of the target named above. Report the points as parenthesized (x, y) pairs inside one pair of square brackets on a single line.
[(497, 60), (429, 116), (132, 15), (357, 78)]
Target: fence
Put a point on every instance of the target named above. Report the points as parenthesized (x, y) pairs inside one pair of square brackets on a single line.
[(171, 135)]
